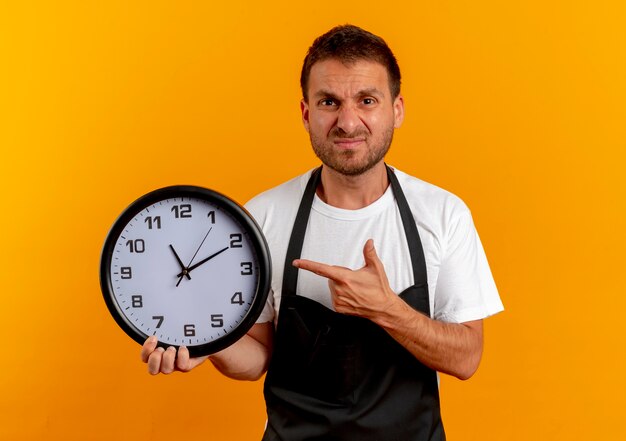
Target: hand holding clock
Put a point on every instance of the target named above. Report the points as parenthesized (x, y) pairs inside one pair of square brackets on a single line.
[(168, 360), (246, 359)]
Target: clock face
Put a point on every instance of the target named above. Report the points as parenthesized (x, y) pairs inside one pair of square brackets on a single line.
[(187, 265)]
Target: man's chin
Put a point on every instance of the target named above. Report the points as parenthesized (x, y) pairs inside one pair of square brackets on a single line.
[(352, 162), (349, 169)]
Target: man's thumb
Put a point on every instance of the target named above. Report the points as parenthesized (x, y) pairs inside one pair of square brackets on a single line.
[(369, 253)]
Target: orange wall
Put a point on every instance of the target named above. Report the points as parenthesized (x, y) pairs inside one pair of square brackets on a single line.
[(520, 109)]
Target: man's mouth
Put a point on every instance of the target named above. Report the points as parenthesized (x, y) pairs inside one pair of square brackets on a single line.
[(348, 143)]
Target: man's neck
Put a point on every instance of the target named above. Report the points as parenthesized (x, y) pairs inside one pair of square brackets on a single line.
[(353, 192)]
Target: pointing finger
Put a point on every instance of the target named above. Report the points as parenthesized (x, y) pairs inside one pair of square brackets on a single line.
[(321, 269)]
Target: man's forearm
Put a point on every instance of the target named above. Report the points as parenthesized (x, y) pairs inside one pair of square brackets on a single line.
[(248, 358), (451, 348)]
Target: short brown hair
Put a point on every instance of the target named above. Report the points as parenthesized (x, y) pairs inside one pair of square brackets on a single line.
[(348, 44)]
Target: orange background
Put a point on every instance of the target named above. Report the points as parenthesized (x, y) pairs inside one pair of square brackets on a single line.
[(520, 109)]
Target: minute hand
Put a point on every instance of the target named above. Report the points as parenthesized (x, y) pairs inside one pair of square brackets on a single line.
[(194, 266)]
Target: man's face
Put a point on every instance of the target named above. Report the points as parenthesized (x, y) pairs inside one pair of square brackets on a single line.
[(350, 115)]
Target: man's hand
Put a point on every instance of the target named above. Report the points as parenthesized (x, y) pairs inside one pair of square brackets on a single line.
[(364, 292), (246, 359), (167, 360), (452, 348)]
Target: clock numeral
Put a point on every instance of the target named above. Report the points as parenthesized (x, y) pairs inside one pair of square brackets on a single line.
[(153, 222), (235, 240), (137, 301), (126, 272), (211, 216), (217, 320), (182, 211), (247, 268), (237, 299), (190, 330), (160, 319), (136, 246)]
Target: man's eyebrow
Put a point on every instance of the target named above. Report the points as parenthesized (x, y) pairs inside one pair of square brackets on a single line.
[(373, 91), (370, 91), (325, 93)]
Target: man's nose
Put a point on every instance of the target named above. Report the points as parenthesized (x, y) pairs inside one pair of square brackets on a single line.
[(348, 119)]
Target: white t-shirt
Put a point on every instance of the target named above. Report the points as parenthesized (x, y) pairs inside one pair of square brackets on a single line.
[(460, 284)]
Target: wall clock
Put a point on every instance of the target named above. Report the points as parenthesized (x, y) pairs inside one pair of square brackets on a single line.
[(187, 265)]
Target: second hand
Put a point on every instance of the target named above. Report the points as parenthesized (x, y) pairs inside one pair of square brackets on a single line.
[(195, 254)]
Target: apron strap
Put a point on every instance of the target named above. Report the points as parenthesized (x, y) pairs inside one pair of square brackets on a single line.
[(416, 251), (296, 241), (410, 229)]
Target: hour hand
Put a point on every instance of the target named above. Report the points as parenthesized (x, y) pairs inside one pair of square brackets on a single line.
[(184, 270)]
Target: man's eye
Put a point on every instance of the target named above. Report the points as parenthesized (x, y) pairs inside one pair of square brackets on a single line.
[(327, 102), (369, 101)]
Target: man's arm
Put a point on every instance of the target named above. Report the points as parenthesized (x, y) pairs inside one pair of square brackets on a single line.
[(246, 359), (451, 348)]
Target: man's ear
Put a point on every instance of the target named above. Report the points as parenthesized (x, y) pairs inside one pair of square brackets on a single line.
[(398, 111), (304, 108)]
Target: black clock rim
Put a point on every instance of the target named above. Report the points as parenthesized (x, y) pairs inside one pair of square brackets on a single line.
[(223, 202)]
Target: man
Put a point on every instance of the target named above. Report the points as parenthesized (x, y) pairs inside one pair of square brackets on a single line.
[(384, 281)]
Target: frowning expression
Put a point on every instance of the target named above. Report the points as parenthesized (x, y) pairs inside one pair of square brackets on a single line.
[(350, 114)]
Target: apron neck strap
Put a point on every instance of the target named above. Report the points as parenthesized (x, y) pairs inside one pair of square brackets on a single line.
[(296, 241), (418, 262)]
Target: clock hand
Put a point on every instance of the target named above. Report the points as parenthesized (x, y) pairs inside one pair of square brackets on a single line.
[(180, 262), (194, 256), (203, 261), (185, 271)]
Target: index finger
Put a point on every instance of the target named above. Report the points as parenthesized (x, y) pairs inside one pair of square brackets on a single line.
[(321, 269)]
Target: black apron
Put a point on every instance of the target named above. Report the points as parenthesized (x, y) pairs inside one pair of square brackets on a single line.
[(339, 377)]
